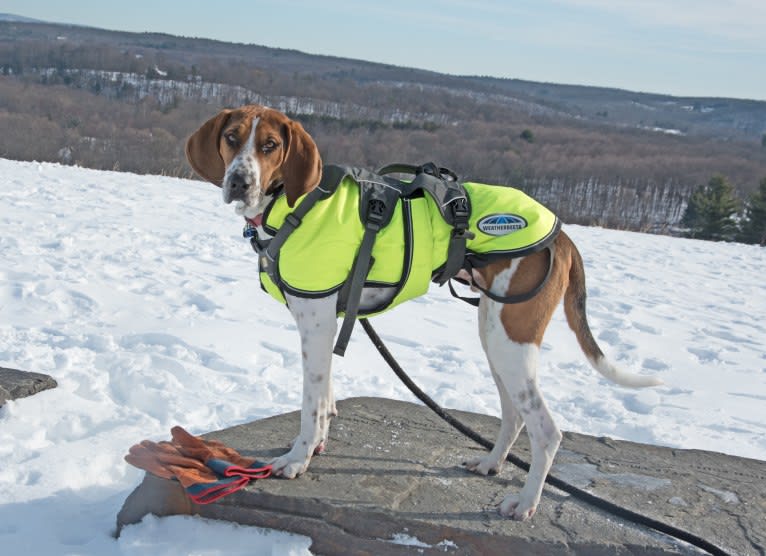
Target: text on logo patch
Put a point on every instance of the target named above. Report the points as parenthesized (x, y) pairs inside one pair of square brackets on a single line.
[(501, 224)]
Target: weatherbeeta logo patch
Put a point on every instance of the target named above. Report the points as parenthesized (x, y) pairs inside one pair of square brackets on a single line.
[(501, 224)]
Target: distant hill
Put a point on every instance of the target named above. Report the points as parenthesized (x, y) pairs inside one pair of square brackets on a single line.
[(18, 18), (127, 100)]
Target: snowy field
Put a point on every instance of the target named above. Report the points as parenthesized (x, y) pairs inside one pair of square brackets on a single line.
[(139, 296)]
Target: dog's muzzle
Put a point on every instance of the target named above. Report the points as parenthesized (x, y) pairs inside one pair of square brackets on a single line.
[(235, 188)]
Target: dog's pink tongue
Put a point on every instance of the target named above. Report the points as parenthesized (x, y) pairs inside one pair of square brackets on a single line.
[(257, 220)]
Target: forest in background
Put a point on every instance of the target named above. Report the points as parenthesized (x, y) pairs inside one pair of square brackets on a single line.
[(128, 101)]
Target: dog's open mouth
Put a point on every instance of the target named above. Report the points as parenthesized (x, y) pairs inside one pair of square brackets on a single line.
[(253, 215), (255, 221)]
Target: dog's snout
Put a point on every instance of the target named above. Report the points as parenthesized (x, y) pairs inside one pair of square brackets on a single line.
[(236, 187)]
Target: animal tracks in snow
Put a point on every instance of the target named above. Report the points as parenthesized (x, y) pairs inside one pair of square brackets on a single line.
[(704, 355), (653, 364), (643, 402)]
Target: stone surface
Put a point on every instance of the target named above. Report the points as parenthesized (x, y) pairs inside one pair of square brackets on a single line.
[(16, 384), (392, 474)]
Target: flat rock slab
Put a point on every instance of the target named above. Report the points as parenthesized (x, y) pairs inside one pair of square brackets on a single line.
[(391, 482), (16, 384)]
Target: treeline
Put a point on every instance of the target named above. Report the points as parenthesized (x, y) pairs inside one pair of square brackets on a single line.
[(58, 103)]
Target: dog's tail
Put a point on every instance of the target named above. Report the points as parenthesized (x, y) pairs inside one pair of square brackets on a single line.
[(574, 308)]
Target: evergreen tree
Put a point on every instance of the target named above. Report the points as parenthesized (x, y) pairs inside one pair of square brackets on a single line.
[(753, 228), (711, 210), (528, 136)]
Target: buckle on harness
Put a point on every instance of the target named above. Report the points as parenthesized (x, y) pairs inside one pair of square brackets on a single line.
[(460, 209), (460, 215), (376, 210), (292, 220)]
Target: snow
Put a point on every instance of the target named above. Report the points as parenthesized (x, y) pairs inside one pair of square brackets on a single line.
[(139, 296), (408, 540)]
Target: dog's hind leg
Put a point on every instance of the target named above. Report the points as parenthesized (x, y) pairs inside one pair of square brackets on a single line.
[(511, 423), (516, 366), (513, 334), (317, 324)]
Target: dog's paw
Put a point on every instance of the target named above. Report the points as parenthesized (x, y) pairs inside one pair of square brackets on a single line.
[(516, 507), (293, 463), (484, 465)]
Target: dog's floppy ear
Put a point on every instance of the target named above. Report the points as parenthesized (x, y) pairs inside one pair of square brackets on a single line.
[(202, 149), (302, 168)]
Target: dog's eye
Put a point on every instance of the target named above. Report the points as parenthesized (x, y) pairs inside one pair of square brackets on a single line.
[(269, 146), (231, 139)]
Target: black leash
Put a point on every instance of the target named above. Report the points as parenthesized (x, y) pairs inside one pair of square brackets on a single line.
[(596, 501)]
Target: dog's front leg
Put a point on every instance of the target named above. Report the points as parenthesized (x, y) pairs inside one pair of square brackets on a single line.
[(317, 324)]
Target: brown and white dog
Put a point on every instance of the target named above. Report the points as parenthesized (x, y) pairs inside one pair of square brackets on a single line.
[(249, 151)]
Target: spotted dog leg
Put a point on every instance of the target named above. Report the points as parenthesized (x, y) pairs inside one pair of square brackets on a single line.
[(520, 383), (317, 324)]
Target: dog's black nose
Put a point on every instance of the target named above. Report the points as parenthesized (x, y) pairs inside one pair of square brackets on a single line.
[(238, 182), (236, 188)]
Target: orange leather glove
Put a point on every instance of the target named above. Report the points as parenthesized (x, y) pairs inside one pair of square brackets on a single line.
[(165, 460), (208, 470), (144, 457), (216, 455), (200, 482)]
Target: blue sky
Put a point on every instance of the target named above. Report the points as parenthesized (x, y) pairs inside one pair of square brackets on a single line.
[(679, 47)]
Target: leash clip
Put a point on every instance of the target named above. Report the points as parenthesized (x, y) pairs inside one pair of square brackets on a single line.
[(249, 231)]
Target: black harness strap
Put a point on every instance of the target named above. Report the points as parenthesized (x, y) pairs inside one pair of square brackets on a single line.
[(355, 284), (508, 299)]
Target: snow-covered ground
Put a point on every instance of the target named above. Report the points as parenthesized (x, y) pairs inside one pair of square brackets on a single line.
[(139, 296)]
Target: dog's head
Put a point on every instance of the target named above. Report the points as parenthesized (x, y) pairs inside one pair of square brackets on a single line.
[(250, 151)]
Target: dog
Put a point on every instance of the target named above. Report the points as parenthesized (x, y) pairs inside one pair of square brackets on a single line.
[(251, 151)]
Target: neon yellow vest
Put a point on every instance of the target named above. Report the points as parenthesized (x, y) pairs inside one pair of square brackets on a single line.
[(316, 259)]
